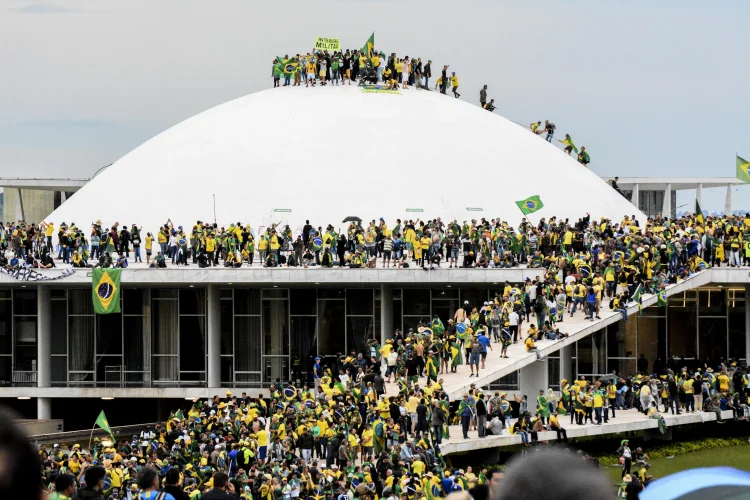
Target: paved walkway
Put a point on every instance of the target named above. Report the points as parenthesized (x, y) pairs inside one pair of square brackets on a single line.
[(625, 421)]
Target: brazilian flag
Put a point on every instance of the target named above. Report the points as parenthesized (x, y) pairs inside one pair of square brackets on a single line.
[(530, 204), (743, 170), (288, 66), (106, 290), (369, 47), (699, 213), (103, 423), (290, 392), (662, 298)]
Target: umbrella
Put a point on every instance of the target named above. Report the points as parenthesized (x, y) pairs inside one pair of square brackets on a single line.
[(714, 482), (352, 218)]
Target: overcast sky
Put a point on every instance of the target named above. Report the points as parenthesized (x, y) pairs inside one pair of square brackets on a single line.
[(650, 88)]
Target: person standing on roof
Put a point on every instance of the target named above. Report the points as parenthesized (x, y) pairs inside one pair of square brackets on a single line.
[(483, 97), (454, 82)]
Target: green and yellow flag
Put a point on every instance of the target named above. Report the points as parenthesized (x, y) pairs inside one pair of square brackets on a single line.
[(369, 47), (742, 170), (288, 66), (530, 204), (106, 290), (662, 301), (699, 213), (568, 141), (101, 421)]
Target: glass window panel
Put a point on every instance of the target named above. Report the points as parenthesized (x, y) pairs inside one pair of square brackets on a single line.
[(712, 302), (553, 371), (164, 293), (225, 293), (585, 357), (247, 344), (275, 327), (164, 369), (737, 337), (398, 320), (135, 354), (683, 329), (275, 293), (6, 294), (712, 340), (412, 322), (58, 293), (59, 370), (227, 370), (331, 327), (248, 379), (476, 297), (359, 301), (6, 371), (6, 327), (192, 343), (303, 300), (417, 302), (654, 311), (304, 346), (193, 301), (227, 322), (377, 327), (507, 383), (109, 334), (133, 300), (59, 327), (651, 339), (736, 296), (621, 339), (165, 327), (331, 293), (79, 301), (623, 367), (358, 331), (276, 369), (81, 344), (246, 301), (25, 328), (445, 309), (445, 293), (24, 301), (599, 352), (109, 371)]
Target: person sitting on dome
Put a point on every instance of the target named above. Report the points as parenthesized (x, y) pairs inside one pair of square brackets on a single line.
[(271, 260)]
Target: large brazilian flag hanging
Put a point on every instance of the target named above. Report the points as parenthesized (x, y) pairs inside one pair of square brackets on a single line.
[(106, 290)]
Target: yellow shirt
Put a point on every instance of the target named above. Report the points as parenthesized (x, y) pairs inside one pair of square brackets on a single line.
[(262, 436), (412, 403), (50, 230), (367, 436), (529, 344), (149, 242), (723, 380), (454, 80)]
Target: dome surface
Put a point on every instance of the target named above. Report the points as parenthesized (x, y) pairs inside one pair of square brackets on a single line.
[(325, 153)]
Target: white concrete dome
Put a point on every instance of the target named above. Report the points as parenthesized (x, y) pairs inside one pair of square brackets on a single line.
[(325, 153)]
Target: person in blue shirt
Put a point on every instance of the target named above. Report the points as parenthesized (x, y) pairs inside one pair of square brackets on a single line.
[(317, 372), (148, 482), (233, 458), (591, 304), (485, 342), (447, 484)]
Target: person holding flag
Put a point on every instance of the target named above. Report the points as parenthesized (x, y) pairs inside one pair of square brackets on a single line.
[(569, 145)]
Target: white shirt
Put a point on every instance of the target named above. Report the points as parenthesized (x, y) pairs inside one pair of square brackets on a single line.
[(513, 318), (570, 279)]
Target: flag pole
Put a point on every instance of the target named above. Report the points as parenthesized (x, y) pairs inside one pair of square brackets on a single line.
[(91, 436)]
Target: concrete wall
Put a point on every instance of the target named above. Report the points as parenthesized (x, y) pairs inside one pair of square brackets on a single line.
[(37, 204)]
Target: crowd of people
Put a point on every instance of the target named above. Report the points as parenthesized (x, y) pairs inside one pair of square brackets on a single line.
[(603, 248)]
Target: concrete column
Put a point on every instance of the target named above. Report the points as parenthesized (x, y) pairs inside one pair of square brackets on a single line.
[(534, 377), (43, 337), (699, 194), (634, 197), (63, 197), (386, 313), (728, 201), (747, 323), (44, 408), (214, 336), (19, 206), (567, 371), (667, 210)]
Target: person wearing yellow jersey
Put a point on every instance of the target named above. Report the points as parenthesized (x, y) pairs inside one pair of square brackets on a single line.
[(367, 443), (598, 403), (530, 346), (310, 71), (723, 381), (612, 396), (262, 437), (454, 83)]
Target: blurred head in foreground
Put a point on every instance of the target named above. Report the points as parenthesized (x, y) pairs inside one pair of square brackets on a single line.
[(20, 477)]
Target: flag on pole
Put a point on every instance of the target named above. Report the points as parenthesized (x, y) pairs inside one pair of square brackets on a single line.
[(663, 298), (288, 66), (530, 204), (699, 213), (742, 170), (102, 422), (637, 297), (369, 47), (105, 290)]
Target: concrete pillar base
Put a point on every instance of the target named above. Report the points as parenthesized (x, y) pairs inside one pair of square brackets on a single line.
[(44, 408), (534, 377), (214, 336)]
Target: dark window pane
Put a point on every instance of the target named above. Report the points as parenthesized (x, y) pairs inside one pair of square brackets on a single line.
[(303, 300), (275, 293), (621, 339), (304, 346), (192, 343), (164, 293), (247, 344), (417, 301), (476, 297), (359, 330), (25, 328), (59, 373), (737, 338), (192, 301), (683, 328), (6, 327), (109, 371), (651, 339), (164, 327), (81, 344), (227, 321), (135, 348), (736, 296), (163, 369), (276, 369), (585, 357), (599, 352), (225, 293), (445, 309), (246, 301), (445, 293), (331, 293), (58, 293), (109, 334), (623, 367), (24, 301), (59, 330), (553, 372), (331, 327), (227, 370), (712, 340), (6, 369), (79, 301), (275, 327), (133, 300), (712, 302), (359, 301)]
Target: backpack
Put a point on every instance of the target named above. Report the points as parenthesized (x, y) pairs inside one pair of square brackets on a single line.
[(552, 126)]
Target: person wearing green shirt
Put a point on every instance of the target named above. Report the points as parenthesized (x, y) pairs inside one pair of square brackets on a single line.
[(277, 73)]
